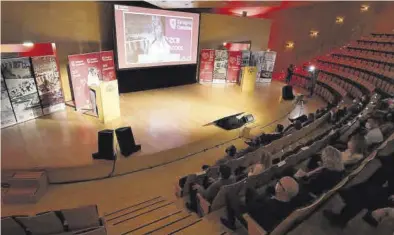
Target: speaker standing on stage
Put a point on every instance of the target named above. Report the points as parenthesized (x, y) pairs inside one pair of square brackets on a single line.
[(290, 70)]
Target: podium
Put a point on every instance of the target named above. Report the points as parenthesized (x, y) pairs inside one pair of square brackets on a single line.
[(106, 100), (248, 81)]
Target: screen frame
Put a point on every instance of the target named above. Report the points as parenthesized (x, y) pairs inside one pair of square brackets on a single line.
[(157, 66)]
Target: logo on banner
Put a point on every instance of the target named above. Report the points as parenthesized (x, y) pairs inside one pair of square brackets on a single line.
[(173, 23), (232, 60), (205, 55)]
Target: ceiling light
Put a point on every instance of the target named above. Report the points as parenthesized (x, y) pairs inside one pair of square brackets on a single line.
[(364, 8), (289, 45), (313, 33), (339, 19)]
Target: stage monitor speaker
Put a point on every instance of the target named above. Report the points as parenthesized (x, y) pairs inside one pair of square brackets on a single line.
[(126, 141), (105, 145), (287, 92)]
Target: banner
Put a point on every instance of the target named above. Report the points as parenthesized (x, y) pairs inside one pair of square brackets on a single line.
[(107, 65), (267, 66), (264, 61), (7, 114), (207, 60), (234, 66), (48, 83), (22, 88), (220, 66), (85, 71)]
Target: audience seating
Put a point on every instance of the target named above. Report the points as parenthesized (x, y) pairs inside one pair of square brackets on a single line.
[(82, 220), (367, 166)]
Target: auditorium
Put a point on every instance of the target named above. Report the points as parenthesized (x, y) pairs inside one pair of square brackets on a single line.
[(197, 117)]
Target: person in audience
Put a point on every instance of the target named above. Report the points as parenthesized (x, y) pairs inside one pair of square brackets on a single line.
[(311, 118), (374, 134), (302, 118), (355, 107), (297, 125), (356, 147), (231, 153), (210, 192), (265, 139), (325, 176), (267, 210), (255, 167), (289, 75), (375, 192), (334, 115)]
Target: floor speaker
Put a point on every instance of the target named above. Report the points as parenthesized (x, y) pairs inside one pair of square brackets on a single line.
[(287, 92), (105, 145), (126, 141)]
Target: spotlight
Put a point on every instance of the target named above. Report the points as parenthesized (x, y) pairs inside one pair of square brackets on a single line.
[(311, 68)]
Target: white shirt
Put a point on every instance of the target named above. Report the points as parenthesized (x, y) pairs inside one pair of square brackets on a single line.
[(374, 136)]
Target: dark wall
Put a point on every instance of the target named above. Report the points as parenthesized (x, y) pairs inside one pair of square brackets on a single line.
[(151, 78)]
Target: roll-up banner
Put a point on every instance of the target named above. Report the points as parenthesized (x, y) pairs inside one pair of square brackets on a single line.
[(48, 83), (22, 89), (234, 66), (207, 60), (220, 66)]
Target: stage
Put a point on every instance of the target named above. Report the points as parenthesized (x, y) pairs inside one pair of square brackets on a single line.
[(168, 123)]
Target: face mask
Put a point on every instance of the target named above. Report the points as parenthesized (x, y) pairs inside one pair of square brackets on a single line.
[(368, 126)]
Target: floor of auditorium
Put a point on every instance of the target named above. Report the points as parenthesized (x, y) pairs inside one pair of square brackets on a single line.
[(161, 120)]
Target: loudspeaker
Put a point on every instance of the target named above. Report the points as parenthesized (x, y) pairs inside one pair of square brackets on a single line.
[(105, 145), (126, 141), (287, 92)]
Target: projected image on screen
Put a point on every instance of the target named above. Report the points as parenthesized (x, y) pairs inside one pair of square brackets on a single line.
[(150, 37)]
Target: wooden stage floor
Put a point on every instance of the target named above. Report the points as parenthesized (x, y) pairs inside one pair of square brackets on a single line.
[(162, 120)]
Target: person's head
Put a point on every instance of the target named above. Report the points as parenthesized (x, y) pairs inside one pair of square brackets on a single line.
[(318, 111), (225, 171), (286, 188), (231, 150), (158, 26), (356, 144), (279, 128), (311, 117), (372, 123), (297, 125), (332, 159), (291, 65)]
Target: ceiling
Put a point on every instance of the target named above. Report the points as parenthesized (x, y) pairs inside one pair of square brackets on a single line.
[(253, 8)]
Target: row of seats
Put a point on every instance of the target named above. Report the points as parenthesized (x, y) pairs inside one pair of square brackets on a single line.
[(351, 89), (82, 220), (206, 207), (372, 47), (299, 215), (377, 39), (320, 90), (385, 60), (382, 35), (360, 74)]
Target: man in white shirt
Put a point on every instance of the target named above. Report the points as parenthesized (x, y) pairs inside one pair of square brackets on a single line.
[(374, 135)]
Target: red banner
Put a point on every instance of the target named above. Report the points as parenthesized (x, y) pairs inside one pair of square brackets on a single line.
[(107, 65), (234, 66), (207, 59), (85, 70)]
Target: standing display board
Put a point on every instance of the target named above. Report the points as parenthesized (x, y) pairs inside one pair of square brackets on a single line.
[(264, 62), (207, 60), (107, 105), (7, 113), (107, 65), (267, 66), (220, 66), (85, 71), (234, 66), (22, 89), (88, 70), (48, 83)]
